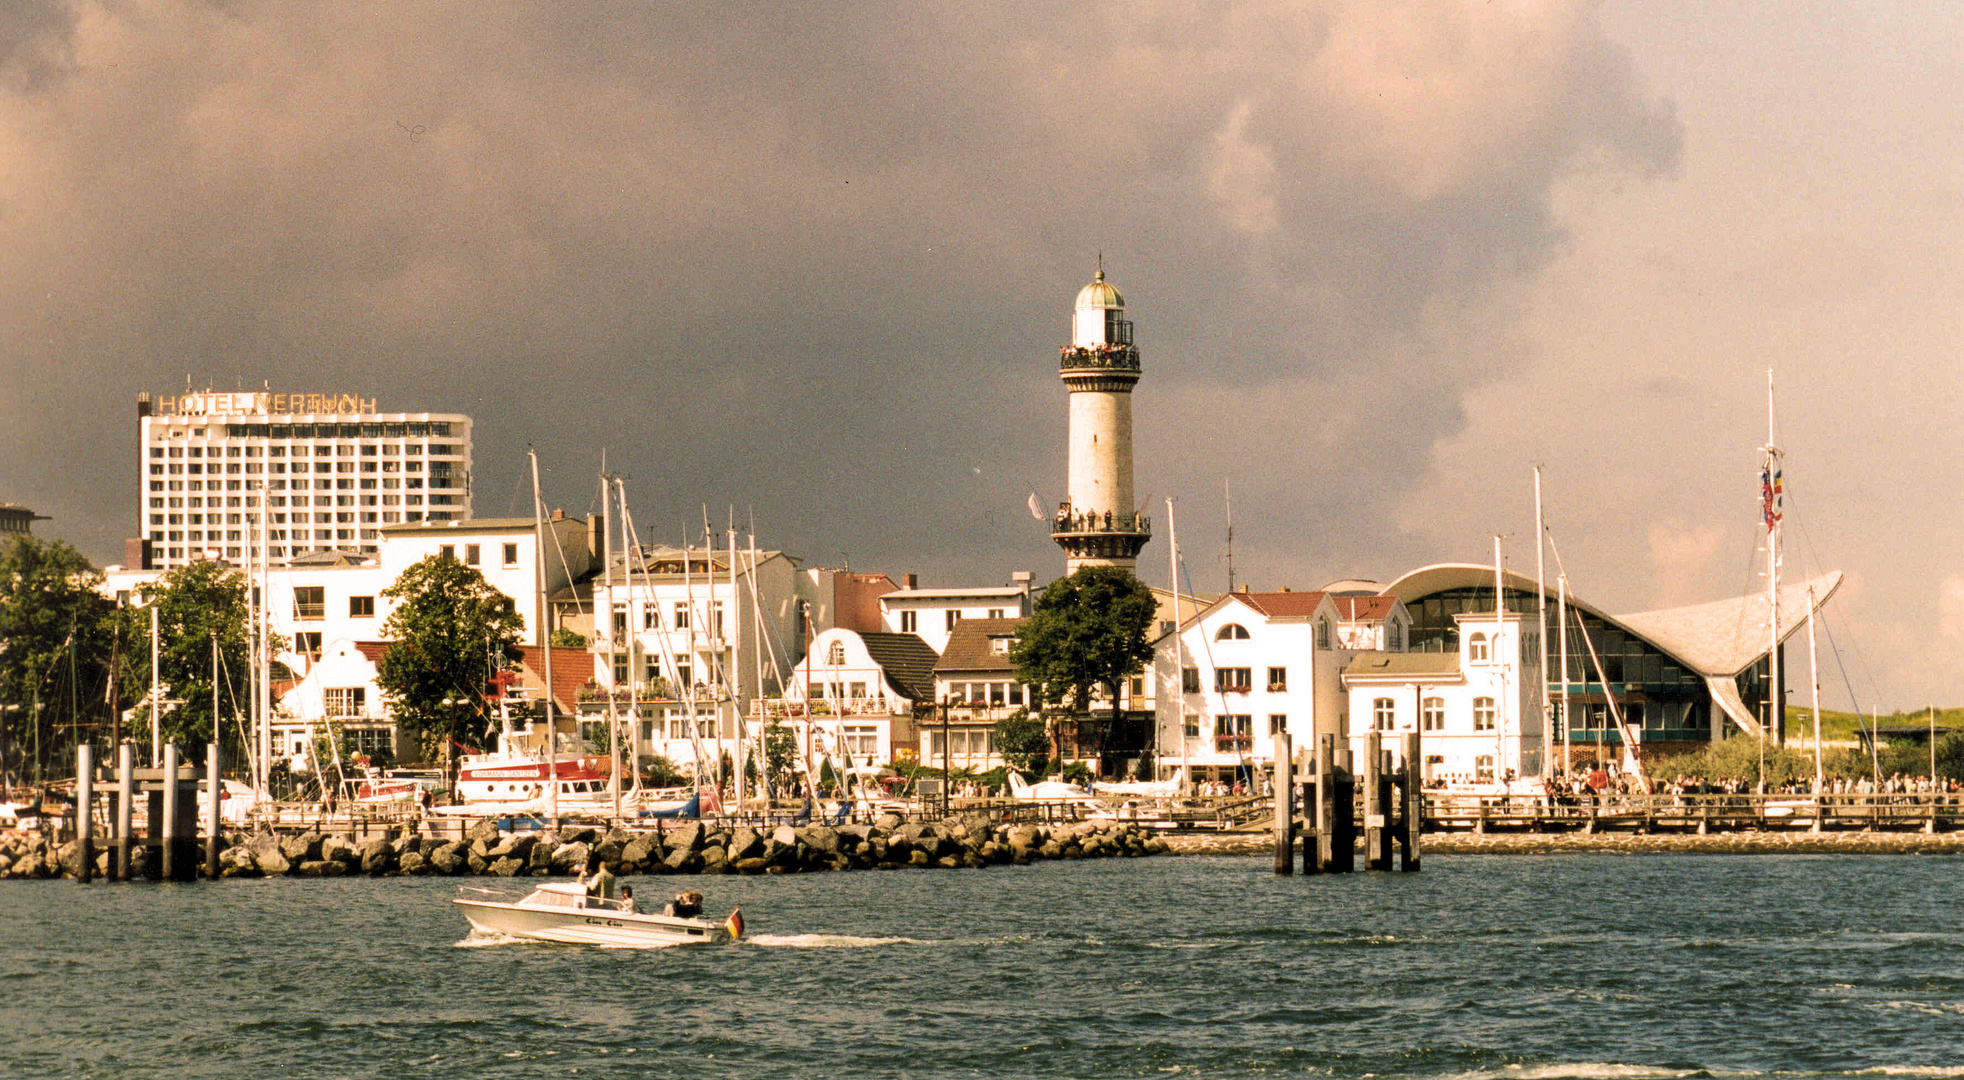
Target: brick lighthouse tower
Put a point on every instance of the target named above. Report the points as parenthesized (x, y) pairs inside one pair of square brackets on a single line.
[(1100, 525)]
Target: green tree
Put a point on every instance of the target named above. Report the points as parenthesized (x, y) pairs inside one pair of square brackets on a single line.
[(568, 639), (1023, 743), (1086, 635), (55, 627), (197, 604), (449, 632)]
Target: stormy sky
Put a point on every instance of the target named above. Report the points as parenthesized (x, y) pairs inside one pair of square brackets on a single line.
[(812, 262)]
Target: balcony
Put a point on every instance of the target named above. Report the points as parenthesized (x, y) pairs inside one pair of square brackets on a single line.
[(1095, 358), (1232, 744)]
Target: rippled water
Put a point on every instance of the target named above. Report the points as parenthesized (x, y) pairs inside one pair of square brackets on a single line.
[(1504, 968)]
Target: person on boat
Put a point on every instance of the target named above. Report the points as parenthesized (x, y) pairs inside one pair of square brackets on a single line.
[(627, 899), (598, 881), (686, 905)]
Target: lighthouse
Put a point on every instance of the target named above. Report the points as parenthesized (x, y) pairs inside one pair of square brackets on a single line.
[(1100, 525)]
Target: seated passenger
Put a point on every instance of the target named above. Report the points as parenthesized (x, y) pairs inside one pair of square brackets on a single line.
[(686, 905), (627, 899)]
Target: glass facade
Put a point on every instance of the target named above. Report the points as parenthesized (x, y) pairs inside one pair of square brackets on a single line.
[(1657, 695)]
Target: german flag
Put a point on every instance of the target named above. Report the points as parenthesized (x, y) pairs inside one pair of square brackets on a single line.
[(734, 924)]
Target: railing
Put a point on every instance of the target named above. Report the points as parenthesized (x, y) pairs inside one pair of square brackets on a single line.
[(1103, 357), (1075, 521), (1695, 813)]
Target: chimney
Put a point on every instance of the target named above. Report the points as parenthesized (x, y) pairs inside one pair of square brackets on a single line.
[(913, 581), (137, 555)]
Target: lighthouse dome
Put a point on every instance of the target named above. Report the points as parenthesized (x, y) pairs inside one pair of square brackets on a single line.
[(1099, 294)]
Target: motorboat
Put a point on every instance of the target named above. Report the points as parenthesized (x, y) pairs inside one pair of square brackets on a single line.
[(563, 911)]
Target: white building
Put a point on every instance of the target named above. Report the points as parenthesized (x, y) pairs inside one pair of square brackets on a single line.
[(333, 471), (862, 693), (934, 613), (975, 682), (1477, 710), (1245, 667)]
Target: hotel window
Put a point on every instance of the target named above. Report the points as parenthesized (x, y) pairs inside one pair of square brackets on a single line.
[(952, 617), (908, 620), (309, 602), (836, 655), (681, 620), (1278, 678), (1277, 722), (861, 740), (1433, 711), (1190, 680), (1483, 714), (1231, 733), (1322, 633), (361, 607), (1394, 637), (511, 555), (447, 551), (1483, 769), (1234, 680), (308, 643), (995, 613), (1476, 648), (1384, 714), (345, 700), (1231, 632), (470, 554)]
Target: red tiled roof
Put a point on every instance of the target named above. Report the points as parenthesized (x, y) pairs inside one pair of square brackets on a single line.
[(372, 650), (571, 669), (1283, 604), (1364, 608)]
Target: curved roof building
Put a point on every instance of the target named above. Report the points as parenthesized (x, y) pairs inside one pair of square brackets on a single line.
[(1678, 673)]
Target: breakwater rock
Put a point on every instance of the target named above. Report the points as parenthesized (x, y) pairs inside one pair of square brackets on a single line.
[(707, 847), (1742, 842)]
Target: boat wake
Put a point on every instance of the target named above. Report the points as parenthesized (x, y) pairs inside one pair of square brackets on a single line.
[(483, 939), (826, 941)]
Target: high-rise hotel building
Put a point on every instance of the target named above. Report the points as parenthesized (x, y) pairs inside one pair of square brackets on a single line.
[(327, 470)]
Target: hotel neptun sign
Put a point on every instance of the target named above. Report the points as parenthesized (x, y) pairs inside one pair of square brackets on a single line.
[(260, 403)]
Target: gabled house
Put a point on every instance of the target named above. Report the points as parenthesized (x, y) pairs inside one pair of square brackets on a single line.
[(975, 682), (1247, 666)]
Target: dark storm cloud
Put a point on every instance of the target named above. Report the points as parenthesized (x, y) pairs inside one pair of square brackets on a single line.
[(808, 262)]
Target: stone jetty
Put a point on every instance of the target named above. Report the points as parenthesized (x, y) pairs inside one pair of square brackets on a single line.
[(705, 847)]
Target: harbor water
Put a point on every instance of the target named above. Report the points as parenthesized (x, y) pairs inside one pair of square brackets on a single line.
[(1479, 967)]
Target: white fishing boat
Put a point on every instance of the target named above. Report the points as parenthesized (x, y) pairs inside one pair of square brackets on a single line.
[(563, 911)]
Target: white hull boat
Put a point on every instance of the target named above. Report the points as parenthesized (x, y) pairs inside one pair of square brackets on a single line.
[(563, 912)]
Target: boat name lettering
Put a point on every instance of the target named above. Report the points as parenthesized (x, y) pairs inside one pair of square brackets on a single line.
[(504, 774), (603, 922)]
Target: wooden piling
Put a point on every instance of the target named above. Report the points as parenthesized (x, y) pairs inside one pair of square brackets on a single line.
[(125, 791), (1343, 817), (1285, 806), (84, 813), (1373, 804), (1321, 811), (168, 831), (213, 791), (1414, 794)]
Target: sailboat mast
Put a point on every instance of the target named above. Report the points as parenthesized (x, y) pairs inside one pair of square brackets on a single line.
[(1541, 626), (633, 685), (1814, 676), (545, 641), (736, 660), (1500, 701), (1179, 656), (616, 629), (1770, 494), (1561, 617), (156, 722)]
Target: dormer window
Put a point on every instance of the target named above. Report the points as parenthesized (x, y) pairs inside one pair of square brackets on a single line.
[(1233, 631), (999, 646), (1322, 633), (836, 655), (1476, 648)]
